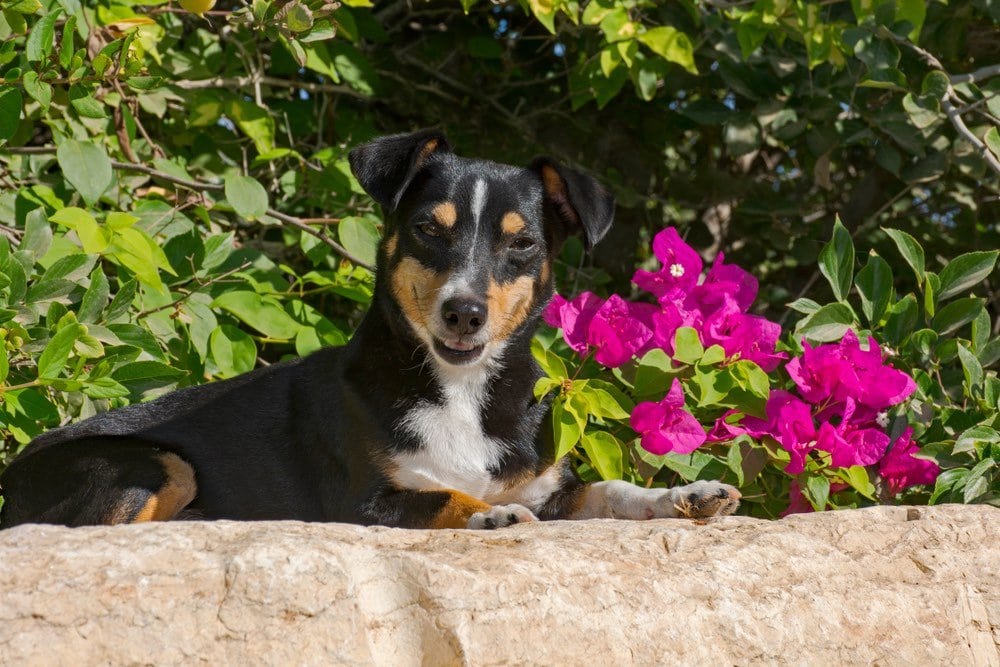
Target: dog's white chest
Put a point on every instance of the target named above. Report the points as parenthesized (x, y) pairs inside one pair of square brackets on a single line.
[(456, 453)]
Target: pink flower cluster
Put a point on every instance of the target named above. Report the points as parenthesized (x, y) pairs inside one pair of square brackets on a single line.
[(844, 394), (716, 307)]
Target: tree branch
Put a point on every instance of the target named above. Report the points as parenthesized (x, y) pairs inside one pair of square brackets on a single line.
[(274, 82), (954, 115), (201, 186)]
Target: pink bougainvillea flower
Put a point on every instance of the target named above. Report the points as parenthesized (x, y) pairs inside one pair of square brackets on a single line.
[(666, 426), (851, 443), (573, 317), (680, 270), (790, 422), (732, 424), (844, 370), (754, 338), (900, 469), (737, 282), (881, 385), (616, 333)]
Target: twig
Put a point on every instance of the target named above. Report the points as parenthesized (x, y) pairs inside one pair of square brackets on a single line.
[(215, 187), (187, 295), (976, 76), (949, 109), (274, 82)]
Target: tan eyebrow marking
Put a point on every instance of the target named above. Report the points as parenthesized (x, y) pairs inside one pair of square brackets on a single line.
[(445, 213), (512, 222)]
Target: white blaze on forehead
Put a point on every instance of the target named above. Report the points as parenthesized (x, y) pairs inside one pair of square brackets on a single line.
[(478, 200)]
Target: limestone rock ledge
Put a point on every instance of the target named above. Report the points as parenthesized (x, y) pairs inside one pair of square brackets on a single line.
[(880, 586)]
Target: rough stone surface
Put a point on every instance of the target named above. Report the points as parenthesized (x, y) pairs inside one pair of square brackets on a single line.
[(880, 586)]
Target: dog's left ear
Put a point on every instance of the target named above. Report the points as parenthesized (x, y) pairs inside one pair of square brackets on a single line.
[(575, 201), (386, 166)]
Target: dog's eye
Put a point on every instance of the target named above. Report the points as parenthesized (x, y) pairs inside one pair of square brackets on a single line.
[(428, 229), (522, 243)]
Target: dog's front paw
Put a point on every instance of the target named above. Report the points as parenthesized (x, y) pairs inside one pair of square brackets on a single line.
[(703, 499), (500, 516)]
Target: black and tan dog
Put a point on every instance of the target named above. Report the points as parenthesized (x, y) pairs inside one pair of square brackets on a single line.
[(425, 419)]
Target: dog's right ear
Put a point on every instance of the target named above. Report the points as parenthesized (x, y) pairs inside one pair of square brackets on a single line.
[(386, 166)]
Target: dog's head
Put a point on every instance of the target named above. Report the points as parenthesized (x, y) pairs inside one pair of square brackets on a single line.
[(469, 244)]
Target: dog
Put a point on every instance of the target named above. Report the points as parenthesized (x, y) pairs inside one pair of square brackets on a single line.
[(425, 419)]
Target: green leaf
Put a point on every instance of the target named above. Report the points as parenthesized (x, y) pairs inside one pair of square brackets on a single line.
[(54, 357), (956, 314), (860, 481), (38, 46), (566, 428), (687, 346), (66, 45), (975, 439), (827, 324), (91, 236), (816, 489), (671, 44), (836, 261), (138, 252), (145, 370), (247, 196), (935, 84), (552, 365), (261, 313), (972, 370), (804, 306), (910, 249), (254, 122), (86, 105), (360, 237), (95, 299), (965, 271), (874, 285), (605, 453), (41, 91), (902, 319), (10, 112), (977, 481), (992, 139), (233, 350), (86, 167), (913, 12), (104, 387)]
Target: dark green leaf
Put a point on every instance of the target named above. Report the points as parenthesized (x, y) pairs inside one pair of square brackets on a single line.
[(836, 261), (966, 271)]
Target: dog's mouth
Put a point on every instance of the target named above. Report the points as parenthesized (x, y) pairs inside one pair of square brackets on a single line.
[(457, 351)]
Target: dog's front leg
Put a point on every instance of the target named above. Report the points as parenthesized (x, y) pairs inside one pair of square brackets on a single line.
[(406, 508), (621, 500)]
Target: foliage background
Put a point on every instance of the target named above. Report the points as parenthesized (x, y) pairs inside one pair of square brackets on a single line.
[(176, 205)]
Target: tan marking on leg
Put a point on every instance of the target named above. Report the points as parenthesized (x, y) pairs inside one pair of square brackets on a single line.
[(445, 213), (415, 288), (391, 244), (175, 494), (458, 509), (509, 305), (512, 222)]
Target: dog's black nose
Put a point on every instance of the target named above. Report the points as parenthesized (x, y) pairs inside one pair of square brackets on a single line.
[(463, 316)]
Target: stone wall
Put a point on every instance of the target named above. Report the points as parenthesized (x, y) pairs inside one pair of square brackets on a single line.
[(880, 586)]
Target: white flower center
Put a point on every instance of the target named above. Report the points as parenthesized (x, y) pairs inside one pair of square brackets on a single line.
[(882, 419), (676, 270)]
